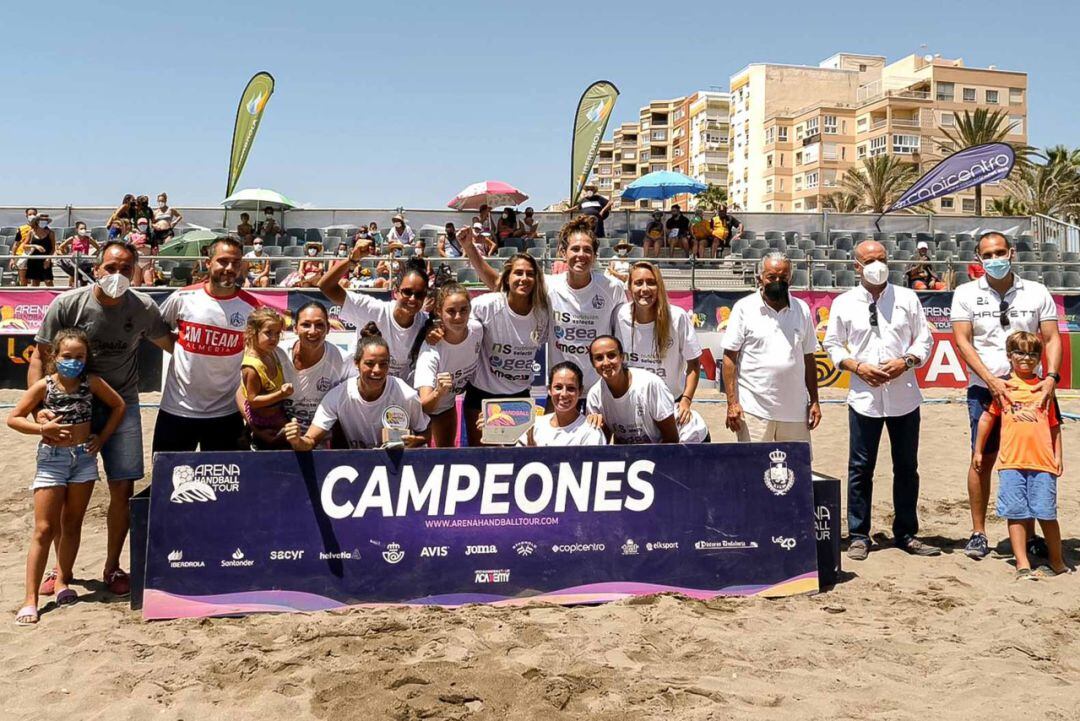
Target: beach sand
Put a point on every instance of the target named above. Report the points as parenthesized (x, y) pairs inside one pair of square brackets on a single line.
[(942, 638)]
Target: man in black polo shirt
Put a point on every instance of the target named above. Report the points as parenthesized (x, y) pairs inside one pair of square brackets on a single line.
[(678, 230), (596, 205)]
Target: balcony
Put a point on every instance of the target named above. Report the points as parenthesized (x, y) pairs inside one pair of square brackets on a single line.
[(659, 136)]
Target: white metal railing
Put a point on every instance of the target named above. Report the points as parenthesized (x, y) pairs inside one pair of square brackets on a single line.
[(1047, 229)]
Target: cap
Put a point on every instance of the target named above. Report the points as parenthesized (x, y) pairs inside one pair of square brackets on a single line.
[(922, 244), (477, 227), (624, 243), (398, 217)]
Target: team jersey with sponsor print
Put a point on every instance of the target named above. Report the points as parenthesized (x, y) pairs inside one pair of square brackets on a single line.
[(312, 384), (508, 353), (362, 421), (361, 309), (1026, 442), (204, 372), (457, 359), (579, 316), (633, 417), (639, 344), (578, 433)]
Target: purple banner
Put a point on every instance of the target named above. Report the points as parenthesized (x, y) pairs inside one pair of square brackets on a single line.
[(972, 166), (279, 531)]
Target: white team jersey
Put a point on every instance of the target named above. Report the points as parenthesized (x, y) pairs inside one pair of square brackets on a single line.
[(633, 417), (362, 421), (579, 316), (458, 359), (361, 309), (639, 344), (578, 433), (204, 372), (508, 353), (311, 384)]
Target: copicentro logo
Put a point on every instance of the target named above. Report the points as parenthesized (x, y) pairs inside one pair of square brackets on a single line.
[(524, 548), (577, 547), (203, 483), (238, 560), (393, 553), (778, 477), (492, 575)]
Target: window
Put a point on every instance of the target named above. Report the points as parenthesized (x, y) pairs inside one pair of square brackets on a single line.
[(781, 185), (811, 153), (770, 135), (905, 144), (1016, 96), (798, 205), (768, 160), (678, 152), (781, 160), (948, 120), (828, 152), (811, 203), (830, 124), (679, 115), (989, 206), (968, 205), (769, 185), (781, 134), (1016, 123), (862, 67), (811, 180), (798, 158), (811, 127), (860, 151), (843, 152), (860, 124), (798, 182), (877, 146), (945, 92), (969, 95), (659, 135), (947, 204), (768, 207), (991, 97)]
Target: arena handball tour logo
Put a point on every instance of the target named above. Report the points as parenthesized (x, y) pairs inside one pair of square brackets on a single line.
[(203, 483)]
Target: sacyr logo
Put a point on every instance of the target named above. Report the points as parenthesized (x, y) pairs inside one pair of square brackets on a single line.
[(188, 489), (393, 553), (524, 548)]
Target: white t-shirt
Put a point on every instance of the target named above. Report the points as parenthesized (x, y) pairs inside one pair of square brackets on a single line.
[(771, 364), (362, 421), (579, 316), (508, 353), (361, 309), (1030, 303), (311, 384), (458, 359), (633, 418), (639, 343), (204, 371), (578, 433)]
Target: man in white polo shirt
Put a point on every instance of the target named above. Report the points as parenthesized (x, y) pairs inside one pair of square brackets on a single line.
[(769, 373), (877, 332), (984, 313)]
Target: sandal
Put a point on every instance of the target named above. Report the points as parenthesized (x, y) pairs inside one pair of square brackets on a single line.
[(48, 584), (1050, 572), (66, 597), (1026, 574), (27, 616)]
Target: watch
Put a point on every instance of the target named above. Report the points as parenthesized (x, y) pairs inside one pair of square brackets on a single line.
[(911, 361), (1055, 376)]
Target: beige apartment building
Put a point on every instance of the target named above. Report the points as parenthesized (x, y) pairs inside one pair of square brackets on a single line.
[(795, 130)]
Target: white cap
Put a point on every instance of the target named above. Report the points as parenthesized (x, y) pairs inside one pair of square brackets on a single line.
[(922, 244)]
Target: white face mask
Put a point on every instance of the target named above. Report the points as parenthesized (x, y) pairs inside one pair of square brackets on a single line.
[(258, 247), (312, 251), (114, 285), (875, 272), (44, 225), (84, 232)]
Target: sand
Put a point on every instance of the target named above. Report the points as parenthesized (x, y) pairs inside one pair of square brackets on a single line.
[(900, 638)]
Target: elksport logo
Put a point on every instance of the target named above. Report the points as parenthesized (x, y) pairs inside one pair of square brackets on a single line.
[(203, 483), (237, 561), (662, 546), (393, 553), (524, 548), (501, 575), (434, 551), (481, 550)]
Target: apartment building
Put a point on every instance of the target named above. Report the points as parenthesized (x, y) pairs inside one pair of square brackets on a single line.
[(795, 130)]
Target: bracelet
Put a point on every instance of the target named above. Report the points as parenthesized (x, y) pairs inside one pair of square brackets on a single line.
[(857, 366)]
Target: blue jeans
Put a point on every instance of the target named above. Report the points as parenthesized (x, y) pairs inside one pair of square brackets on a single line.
[(122, 456), (1026, 494), (865, 437), (978, 400)]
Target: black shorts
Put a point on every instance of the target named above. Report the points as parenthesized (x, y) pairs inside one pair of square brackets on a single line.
[(474, 397), (176, 433)]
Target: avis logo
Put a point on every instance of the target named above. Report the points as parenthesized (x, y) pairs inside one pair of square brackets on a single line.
[(785, 542), (524, 548), (501, 575), (434, 551), (393, 553)]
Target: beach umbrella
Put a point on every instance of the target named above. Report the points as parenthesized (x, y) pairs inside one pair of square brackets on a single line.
[(257, 199), (189, 244), (662, 185), (489, 192)]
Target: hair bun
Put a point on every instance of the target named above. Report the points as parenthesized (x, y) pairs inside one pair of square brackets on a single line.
[(370, 331)]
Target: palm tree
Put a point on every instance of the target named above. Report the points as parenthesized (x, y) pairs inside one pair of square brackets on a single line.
[(711, 198), (985, 126), (841, 202), (1008, 206), (879, 183), (1050, 188)]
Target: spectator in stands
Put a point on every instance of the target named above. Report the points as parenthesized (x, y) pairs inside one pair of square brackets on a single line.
[(678, 230), (41, 242), (654, 235), (165, 221), (530, 226), (594, 205), (79, 246), (984, 312), (700, 234), (198, 408), (139, 238), (118, 228), (448, 244), (125, 212), (21, 239), (921, 276), (559, 266), (724, 229), (400, 232), (770, 376), (509, 226), (309, 271), (620, 266), (879, 334), (116, 320), (374, 234), (485, 220), (258, 265), (268, 229), (142, 210), (975, 270), (245, 231)]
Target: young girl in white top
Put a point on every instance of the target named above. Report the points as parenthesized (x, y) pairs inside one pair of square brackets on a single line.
[(564, 424), (443, 369), (659, 337)]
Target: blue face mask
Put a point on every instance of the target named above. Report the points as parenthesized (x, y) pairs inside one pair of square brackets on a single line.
[(70, 367), (997, 268)]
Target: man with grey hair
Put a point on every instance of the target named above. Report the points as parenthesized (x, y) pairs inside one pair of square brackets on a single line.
[(769, 373)]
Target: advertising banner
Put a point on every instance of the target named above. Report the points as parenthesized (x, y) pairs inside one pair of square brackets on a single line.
[(280, 531), (987, 163), (590, 122), (248, 116)]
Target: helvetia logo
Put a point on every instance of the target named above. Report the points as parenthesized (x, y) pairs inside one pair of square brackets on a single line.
[(434, 551), (481, 550), (629, 548), (524, 548), (353, 555), (237, 561), (204, 482), (500, 575), (393, 553), (176, 560)]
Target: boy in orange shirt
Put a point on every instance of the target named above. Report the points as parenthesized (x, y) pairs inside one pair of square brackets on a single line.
[(1029, 460)]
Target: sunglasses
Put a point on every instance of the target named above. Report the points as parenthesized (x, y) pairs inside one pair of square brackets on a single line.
[(873, 315), (1003, 310), (410, 293), (1024, 354)]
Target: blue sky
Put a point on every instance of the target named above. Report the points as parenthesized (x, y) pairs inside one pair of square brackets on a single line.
[(387, 104)]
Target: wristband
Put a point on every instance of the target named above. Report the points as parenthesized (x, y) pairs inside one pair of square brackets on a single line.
[(857, 365)]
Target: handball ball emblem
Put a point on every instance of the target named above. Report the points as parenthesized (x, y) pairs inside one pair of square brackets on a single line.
[(186, 489)]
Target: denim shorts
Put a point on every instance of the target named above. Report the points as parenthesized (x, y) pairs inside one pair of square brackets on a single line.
[(57, 466), (978, 400), (122, 456), (1027, 494)]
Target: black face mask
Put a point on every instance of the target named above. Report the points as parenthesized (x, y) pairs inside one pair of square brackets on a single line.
[(777, 290)]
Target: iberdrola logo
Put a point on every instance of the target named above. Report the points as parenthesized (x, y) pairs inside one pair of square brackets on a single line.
[(598, 112), (257, 104)]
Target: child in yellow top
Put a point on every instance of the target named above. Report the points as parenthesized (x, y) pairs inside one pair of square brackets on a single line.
[(1029, 459), (263, 379)]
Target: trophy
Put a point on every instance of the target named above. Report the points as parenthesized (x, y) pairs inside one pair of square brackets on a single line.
[(395, 426), (506, 420)]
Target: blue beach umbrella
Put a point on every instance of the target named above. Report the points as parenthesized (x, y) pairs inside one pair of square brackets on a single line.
[(662, 185)]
